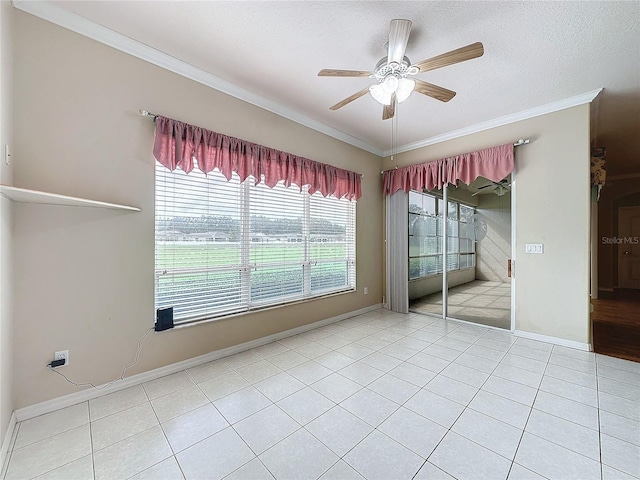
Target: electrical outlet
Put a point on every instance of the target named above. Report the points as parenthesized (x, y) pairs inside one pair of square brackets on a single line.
[(62, 354), (7, 154), (366, 290)]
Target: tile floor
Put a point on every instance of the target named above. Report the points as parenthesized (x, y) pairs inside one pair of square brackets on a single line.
[(377, 396)]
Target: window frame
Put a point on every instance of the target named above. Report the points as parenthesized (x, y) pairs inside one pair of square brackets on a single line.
[(248, 243)]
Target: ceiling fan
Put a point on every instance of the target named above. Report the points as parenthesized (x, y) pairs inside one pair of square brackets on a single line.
[(391, 72), (499, 188)]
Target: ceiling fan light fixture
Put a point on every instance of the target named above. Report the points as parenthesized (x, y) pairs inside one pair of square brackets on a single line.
[(380, 94), (405, 87)]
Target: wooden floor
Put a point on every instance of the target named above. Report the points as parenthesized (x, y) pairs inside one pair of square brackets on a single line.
[(616, 325)]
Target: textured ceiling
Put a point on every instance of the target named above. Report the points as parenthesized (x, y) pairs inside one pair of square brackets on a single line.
[(536, 53)]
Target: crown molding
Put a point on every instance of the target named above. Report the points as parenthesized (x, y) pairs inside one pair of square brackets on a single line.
[(87, 28), (71, 21), (500, 121)]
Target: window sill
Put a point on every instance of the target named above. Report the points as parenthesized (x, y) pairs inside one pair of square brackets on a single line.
[(256, 310)]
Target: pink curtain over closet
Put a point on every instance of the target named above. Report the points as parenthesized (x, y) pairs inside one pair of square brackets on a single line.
[(492, 163), (177, 144)]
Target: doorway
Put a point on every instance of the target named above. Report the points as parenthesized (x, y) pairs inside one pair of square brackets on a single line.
[(460, 251)]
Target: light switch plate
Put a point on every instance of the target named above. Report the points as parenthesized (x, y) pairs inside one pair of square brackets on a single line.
[(533, 248)]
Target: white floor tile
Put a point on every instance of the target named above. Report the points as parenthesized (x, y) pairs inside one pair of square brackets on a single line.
[(312, 350), (413, 374), (573, 364), (48, 454), (361, 373), (620, 406), (287, 360), (452, 389), (394, 388), (413, 431), (518, 472), (279, 386), (561, 388), (341, 471), (489, 432), (524, 363), (81, 469), (619, 427), (413, 343), (619, 389), (609, 473), (500, 408), (430, 472), (254, 470), (623, 456), (445, 353), (572, 376), (333, 341), (258, 371), (467, 375), (121, 425), (339, 430), (370, 406), (574, 353), (214, 457), (270, 349), (309, 372), (208, 370), (485, 352), (178, 403), (116, 402), (223, 385), (241, 404), (619, 363), (381, 361), (532, 353), (475, 362), (132, 455), (299, 456), (434, 407), (453, 343), (192, 427), (50, 424), (553, 461), (380, 457), (264, 429), (512, 390), (334, 360), (518, 375), (535, 344), (398, 351), (619, 375), (336, 387), (166, 470), (479, 463), (355, 351), (568, 409), (242, 359), (165, 385), (429, 362), (305, 405), (570, 435)]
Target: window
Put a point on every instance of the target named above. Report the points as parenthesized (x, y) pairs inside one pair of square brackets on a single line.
[(426, 219), (224, 247)]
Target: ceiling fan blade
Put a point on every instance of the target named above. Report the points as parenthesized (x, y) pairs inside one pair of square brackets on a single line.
[(398, 38), (350, 99), (389, 110), (454, 56), (439, 93), (328, 72)]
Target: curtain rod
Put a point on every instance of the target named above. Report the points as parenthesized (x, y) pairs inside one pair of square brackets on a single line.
[(520, 142), (145, 113)]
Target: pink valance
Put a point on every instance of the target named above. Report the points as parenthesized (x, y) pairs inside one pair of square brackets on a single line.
[(492, 163), (177, 144)]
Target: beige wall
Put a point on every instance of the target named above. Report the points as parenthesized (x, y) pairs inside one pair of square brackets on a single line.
[(6, 221), (613, 191), (552, 207), (84, 277), (493, 252)]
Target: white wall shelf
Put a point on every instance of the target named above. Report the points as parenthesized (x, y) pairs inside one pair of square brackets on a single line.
[(23, 195)]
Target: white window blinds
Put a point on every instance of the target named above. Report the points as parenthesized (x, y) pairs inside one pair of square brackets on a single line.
[(227, 247)]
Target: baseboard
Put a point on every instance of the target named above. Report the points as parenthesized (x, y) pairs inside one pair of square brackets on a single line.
[(9, 438), (587, 347), (89, 394)]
